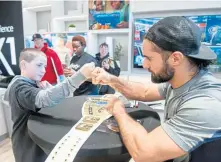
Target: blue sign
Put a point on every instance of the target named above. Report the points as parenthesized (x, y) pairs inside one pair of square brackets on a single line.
[(210, 26)]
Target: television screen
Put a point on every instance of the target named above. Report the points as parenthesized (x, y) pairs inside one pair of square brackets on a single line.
[(210, 26), (106, 14)]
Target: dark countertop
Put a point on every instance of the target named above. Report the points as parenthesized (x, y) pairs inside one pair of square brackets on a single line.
[(48, 126)]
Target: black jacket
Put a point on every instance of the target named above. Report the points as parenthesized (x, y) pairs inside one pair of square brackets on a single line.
[(114, 70), (21, 95), (76, 63)]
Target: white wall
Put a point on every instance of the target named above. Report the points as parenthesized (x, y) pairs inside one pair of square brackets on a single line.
[(29, 22), (33, 3), (57, 9), (70, 6), (43, 19)]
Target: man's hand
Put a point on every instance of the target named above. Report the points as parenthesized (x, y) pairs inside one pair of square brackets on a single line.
[(115, 105), (44, 85), (123, 24), (100, 76), (68, 72), (87, 70)]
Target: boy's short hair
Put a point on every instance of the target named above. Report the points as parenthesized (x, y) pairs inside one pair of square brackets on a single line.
[(29, 54)]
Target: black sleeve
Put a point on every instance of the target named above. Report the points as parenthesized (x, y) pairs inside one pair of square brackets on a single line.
[(103, 89), (26, 95), (115, 71), (96, 62), (110, 90), (92, 59)]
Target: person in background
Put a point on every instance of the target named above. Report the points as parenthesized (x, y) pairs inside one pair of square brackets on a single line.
[(99, 5), (108, 65), (124, 12), (27, 95), (54, 71), (62, 51), (178, 63), (78, 60), (49, 43)]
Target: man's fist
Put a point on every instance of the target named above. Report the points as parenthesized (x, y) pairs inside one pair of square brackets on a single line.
[(115, 106), (68, 72), (100, 76)]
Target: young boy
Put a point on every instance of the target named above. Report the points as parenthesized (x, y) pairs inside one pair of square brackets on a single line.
[(25, 97)]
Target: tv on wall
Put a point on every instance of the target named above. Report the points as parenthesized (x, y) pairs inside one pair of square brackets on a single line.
[(210, 26)]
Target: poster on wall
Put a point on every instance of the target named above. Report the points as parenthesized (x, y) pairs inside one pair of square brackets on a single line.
[(56, 41), (210, 26), (11, 37), (107, 14), (28, 41), (64, 40)]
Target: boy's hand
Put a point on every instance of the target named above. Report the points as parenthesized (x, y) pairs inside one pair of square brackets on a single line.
[(68, 72), (44, 84), (123, 24), (87, 70)]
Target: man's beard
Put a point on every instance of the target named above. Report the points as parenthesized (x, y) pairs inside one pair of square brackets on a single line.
[(165, 75)]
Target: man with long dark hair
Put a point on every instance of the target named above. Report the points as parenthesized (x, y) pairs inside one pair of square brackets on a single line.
[(191, 130)]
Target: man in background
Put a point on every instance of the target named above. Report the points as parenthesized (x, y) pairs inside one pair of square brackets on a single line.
[(54, 71), (108, 65), (99, 5), (124, 12), (80, 57), (178, 63)]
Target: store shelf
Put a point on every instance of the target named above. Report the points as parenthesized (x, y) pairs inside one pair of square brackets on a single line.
[(38, 8), (65, 32), (110, 31), (72, 18)]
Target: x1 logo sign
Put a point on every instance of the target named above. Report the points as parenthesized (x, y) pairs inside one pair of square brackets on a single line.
[(10, 40)]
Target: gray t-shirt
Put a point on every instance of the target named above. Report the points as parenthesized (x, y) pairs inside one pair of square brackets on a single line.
[(193, 114)]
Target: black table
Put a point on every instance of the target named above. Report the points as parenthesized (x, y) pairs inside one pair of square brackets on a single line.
[(48, 126), (5, 81)]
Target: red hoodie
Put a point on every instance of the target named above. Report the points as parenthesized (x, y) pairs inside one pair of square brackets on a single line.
[(50, 75)]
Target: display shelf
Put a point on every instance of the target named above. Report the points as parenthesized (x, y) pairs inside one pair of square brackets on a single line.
[(71, 18), (110, 31), (38, 8)]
